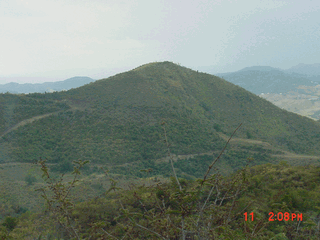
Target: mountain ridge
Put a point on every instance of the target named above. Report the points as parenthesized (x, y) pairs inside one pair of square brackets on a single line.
[(25, 88), (306, 69), (260, 68), (272, 80)]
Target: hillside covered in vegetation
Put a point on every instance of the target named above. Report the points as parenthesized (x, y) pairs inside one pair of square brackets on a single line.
[(117, 120)]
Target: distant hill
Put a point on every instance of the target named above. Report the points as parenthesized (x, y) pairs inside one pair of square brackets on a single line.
[(117, 120), (260, 68), (67, 84), (306, 69), (264, 79)]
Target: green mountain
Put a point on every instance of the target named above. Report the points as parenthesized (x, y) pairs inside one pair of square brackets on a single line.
[(118, 120)]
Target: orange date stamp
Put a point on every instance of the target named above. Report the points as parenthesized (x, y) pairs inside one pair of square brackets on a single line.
[(276, 216)]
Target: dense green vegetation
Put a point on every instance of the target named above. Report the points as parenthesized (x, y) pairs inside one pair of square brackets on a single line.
[(143, 212), (16, 108), (193, 167)]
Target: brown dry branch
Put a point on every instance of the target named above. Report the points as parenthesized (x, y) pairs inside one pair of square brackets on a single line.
[(59, 204)]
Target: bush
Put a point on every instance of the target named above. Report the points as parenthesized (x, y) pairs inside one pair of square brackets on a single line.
[(10, 223), (29, 179), (217, 127), (63, 167)]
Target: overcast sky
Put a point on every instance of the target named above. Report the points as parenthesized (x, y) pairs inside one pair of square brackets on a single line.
[(59, 39)]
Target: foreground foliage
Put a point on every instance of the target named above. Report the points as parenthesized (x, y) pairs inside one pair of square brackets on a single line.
[(160, 207)]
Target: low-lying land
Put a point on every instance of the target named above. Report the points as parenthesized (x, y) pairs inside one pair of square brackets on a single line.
[(307, 104)]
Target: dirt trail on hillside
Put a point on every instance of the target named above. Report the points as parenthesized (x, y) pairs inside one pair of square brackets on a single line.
[(243, 140), (72, 107), (29, 120), (233, 141), (295, 156), (266, 145)]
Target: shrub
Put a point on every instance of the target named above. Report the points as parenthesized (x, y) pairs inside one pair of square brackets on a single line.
[(10, 223), (63, 167), (217, 127), (29, 179)]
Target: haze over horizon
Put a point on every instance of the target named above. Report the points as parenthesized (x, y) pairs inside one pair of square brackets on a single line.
[(56, 40)]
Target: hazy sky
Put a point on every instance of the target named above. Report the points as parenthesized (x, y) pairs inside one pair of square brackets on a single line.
[(59, 39)]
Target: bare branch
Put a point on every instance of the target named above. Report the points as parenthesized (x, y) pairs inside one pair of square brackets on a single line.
[(108, 234), (212, 164), (170, 156), (141, 225)]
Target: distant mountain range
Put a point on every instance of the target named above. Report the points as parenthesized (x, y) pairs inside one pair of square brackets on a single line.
[(67, 84), (306, 69), (265, 79)]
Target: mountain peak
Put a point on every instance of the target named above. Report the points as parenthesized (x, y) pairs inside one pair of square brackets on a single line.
[(155, 64)]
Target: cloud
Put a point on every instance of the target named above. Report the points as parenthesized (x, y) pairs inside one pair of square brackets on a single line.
[(39, 36)]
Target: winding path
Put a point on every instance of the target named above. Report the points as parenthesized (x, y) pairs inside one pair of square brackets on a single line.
[(29, 120)]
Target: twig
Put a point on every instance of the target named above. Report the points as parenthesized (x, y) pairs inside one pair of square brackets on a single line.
[(142, 226), (108, 234), (169, 154), (212, 164)]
